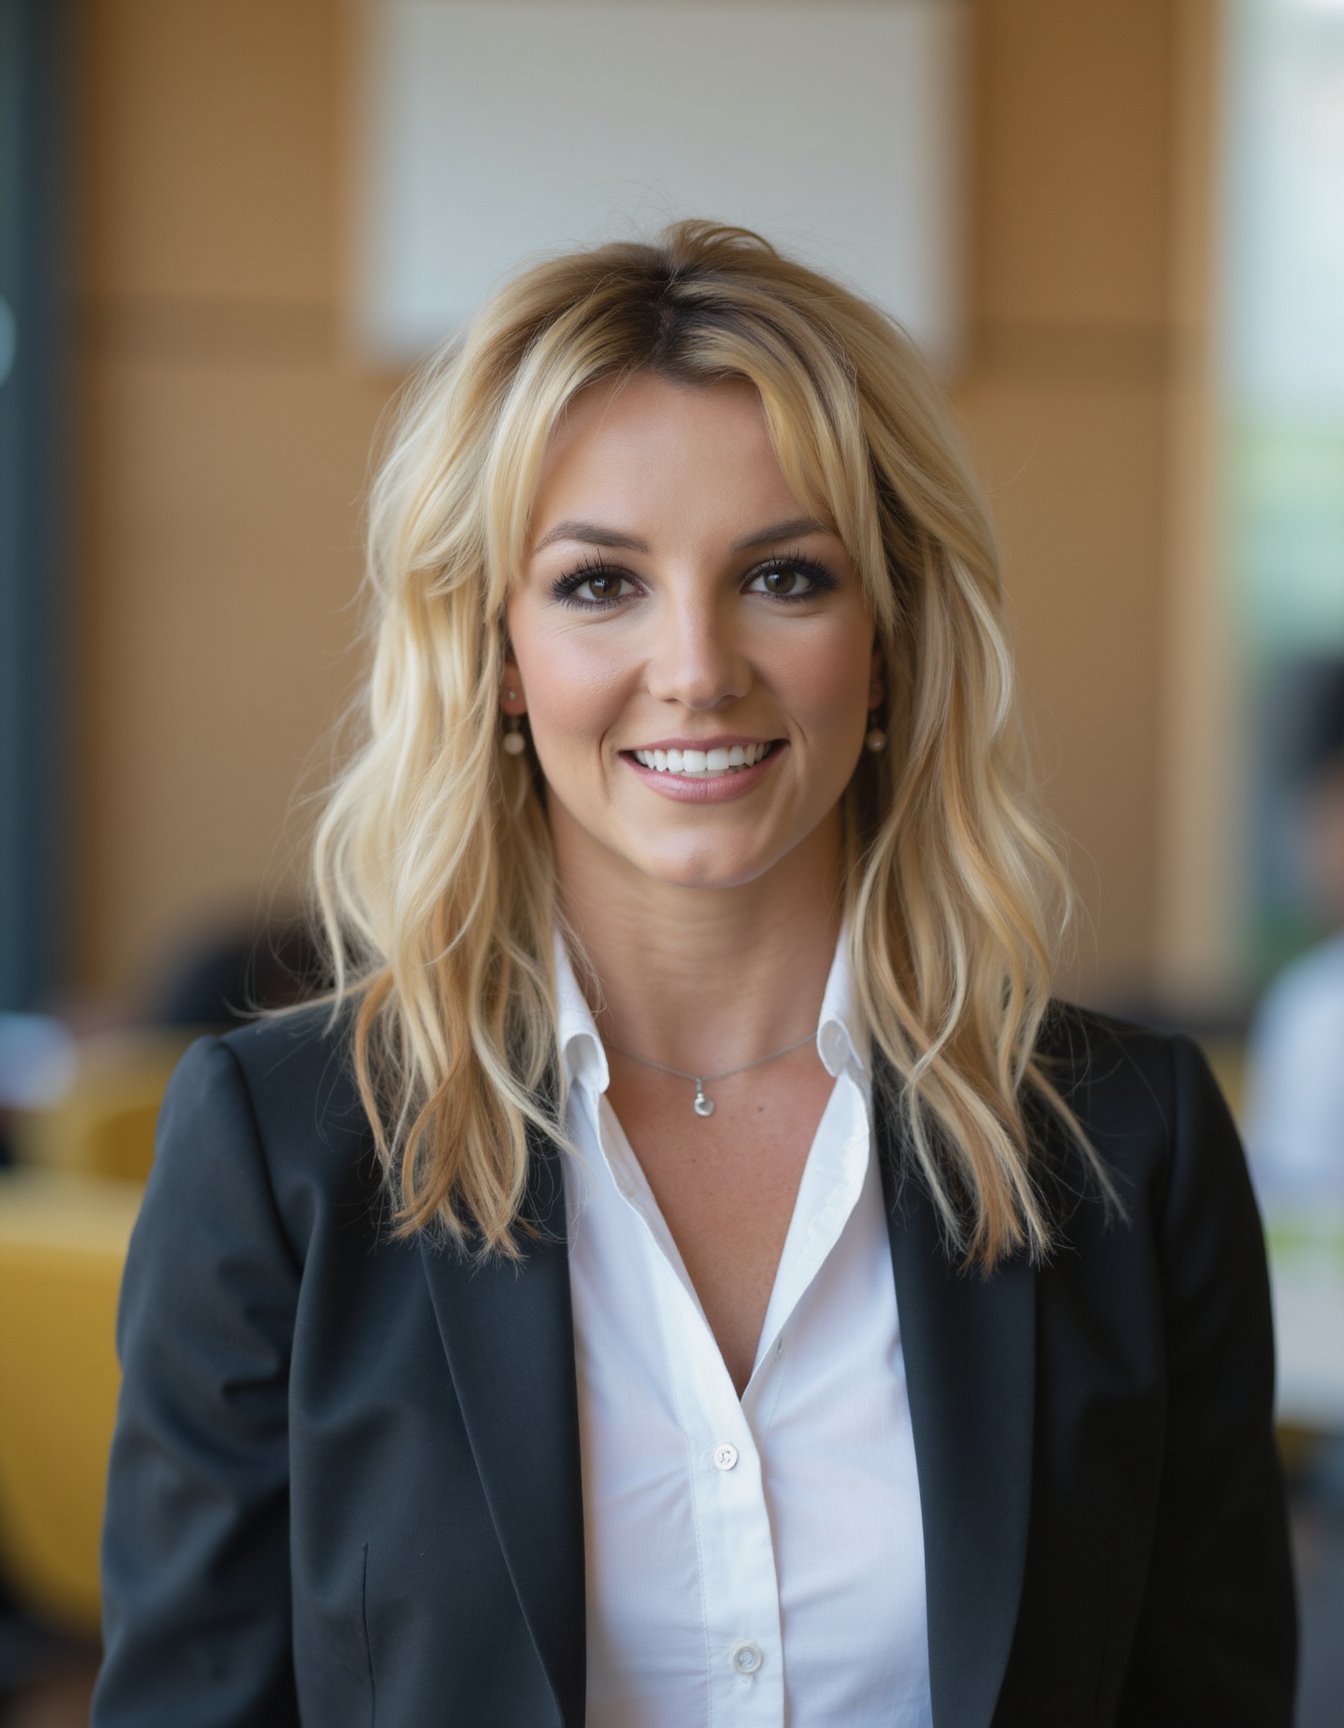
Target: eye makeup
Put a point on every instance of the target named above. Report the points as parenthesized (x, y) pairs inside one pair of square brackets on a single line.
[(599, 573), (819, 579)]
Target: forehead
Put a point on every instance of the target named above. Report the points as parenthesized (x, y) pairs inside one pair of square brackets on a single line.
[(658, 454)]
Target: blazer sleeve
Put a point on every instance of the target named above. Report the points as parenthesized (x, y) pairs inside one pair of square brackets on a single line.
[(1216, 1641), (196, 1591)]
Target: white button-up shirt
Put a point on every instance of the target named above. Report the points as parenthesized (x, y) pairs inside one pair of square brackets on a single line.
[(756, 1560)]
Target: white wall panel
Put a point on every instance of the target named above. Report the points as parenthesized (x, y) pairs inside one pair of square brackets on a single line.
[(496, 131)]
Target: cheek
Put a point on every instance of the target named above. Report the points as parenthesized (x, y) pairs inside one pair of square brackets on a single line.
[(570, 688), (831, 682)]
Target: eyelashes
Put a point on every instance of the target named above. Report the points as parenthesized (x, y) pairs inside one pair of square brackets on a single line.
[(601, 575), (597, 571), (818, 578)]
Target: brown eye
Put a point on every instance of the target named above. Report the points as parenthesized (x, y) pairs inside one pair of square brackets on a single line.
[(795, 579), (601, 587), (593, 588)]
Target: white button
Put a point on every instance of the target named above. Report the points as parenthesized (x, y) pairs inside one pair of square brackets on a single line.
[(725, 1456), (746, 1657)]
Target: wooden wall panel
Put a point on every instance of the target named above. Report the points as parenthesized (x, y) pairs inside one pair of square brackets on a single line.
[(1073, 472), (226, 437), (211, 138), (1072, 162), (225, 512)]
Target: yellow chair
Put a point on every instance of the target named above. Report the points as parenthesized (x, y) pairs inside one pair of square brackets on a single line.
[(104, 1124), (63, 1242)]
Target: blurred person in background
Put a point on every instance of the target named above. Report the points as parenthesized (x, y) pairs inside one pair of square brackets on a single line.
[(690, 1268), (1295, 1080)]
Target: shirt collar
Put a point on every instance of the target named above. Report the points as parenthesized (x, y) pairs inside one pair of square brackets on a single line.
[(580, 1044), (840, 1037)]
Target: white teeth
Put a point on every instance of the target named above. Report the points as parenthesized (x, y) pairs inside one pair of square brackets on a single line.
[(697, 764)]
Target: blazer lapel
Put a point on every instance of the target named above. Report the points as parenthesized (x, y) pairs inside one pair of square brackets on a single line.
[(969, 1347), (508, 1335)]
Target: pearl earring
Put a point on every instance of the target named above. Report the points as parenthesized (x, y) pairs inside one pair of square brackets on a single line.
[(876, 738), (514, 742)]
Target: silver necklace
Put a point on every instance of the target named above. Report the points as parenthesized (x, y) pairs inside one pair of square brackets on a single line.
[(704, 1104)]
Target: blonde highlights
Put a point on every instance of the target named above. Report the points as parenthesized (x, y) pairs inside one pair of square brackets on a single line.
[(432, 863)]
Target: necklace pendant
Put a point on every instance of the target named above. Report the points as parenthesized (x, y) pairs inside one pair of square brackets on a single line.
[(704, 1104)]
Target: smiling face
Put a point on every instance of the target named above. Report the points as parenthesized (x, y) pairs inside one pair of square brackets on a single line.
[(694, 655)]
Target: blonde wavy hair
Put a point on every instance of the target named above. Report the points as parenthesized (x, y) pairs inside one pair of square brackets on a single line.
[(432, 865)]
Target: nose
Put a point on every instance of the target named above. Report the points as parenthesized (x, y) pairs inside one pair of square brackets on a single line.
[(696, 658)]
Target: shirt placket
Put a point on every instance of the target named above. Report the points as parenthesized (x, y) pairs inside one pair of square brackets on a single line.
[(739, 1579), (744, 1635)]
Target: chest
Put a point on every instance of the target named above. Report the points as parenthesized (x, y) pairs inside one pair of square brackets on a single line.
[(782, 1502), (727, 1186)]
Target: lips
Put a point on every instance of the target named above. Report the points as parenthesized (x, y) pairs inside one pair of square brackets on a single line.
[(694, 764), (706, 785)]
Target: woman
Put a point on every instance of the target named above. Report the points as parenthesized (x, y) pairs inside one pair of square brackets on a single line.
[(691, 1273)]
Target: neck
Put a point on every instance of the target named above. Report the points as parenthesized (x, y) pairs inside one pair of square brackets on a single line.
[(706, 979)]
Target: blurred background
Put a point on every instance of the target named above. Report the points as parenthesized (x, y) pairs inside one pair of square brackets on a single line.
[(226, 231)]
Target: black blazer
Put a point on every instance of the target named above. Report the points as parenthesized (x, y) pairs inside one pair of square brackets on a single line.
[(345, 1482)]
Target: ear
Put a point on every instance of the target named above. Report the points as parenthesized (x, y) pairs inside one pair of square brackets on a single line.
[(512, 697), (877, 684)]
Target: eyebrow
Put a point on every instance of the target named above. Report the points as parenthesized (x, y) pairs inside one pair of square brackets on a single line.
[(595, 534)]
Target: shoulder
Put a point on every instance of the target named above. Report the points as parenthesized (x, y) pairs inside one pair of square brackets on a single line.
[(1116, 1076), (272, 1108), (298, 1073), (1150, 1108), (1102, 1060)]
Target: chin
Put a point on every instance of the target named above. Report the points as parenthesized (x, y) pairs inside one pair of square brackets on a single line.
[(705, 869)]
